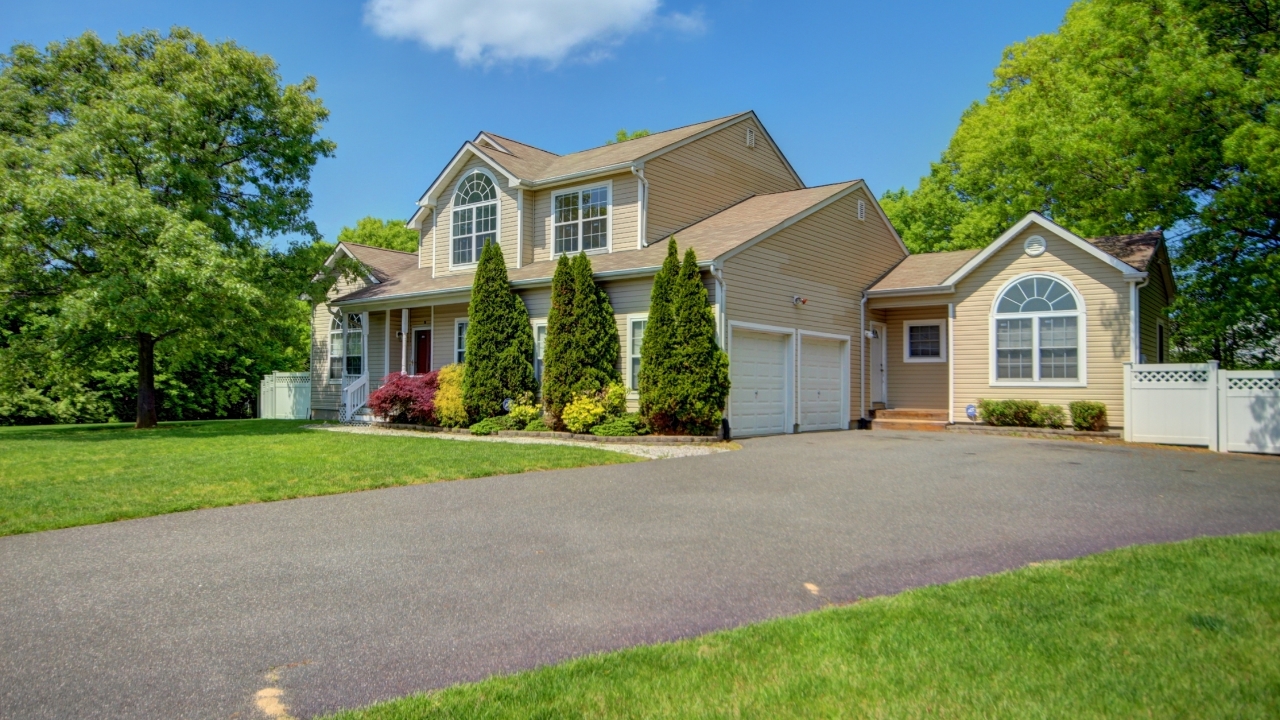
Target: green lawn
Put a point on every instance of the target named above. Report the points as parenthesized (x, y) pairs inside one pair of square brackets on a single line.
[(1187, 630), (64, 475)]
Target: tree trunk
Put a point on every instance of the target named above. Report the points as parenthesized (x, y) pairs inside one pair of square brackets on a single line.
[(146, 381)]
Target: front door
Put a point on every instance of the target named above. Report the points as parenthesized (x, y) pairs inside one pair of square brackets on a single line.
[(876, 353), (422, 351)]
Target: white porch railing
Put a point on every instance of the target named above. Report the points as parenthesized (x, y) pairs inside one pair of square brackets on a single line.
[(354, 396), (1226, 410)]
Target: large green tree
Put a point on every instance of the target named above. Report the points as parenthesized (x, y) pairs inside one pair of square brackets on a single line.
[(597, 331), (563, 353), (1134, 115), (137, 180), (389, 234), (656, 348), (499, 341)]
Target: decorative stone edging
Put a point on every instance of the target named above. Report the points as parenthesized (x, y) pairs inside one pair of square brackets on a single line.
[(581, 437), (1035, 432)]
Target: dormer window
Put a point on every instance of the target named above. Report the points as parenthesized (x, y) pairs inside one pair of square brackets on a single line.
[(581, 220), (475, 217)]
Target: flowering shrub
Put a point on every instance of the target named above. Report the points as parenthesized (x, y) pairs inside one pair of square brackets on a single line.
[(450, 410), (406, 398), (585, 412)]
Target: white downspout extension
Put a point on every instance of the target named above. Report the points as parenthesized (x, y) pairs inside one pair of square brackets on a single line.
[(862, 358), (638, 171), (721, 324), (519, 228)]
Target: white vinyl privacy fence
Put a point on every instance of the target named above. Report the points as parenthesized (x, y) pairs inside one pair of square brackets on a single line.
[(1198, 404), (285, 396)]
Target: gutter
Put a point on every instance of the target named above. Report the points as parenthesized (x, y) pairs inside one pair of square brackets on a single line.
[(923, 290), (862, 359)]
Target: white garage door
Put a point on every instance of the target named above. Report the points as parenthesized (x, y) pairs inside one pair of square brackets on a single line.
[(822, 384), (758, 370)]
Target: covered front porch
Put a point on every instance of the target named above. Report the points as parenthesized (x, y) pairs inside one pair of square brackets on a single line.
[(909, 357)]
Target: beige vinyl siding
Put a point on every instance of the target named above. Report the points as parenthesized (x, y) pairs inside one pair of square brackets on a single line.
[(624, 205), (375, 361), (917, 385), (442, 334), (424, 240), (1153, 308), (443, 219), (1107, 323), (829, 257), (702, 178), (326, 397)]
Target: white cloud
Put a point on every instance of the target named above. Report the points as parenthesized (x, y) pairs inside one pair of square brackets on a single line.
[(488, 31)]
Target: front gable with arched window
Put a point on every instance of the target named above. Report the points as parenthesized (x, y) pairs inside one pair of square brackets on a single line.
[(1038, 333)]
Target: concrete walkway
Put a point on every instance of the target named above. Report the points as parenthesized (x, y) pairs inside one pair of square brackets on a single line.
[(322, 603)]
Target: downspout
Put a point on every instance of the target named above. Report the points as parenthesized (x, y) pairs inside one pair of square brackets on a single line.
[(404, 339), (519, 228), (638, 171), (951, 363), (1135, 303), (721, 327), (862, 360)]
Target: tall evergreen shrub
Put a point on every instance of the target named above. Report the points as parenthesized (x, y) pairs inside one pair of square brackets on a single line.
[(597, 331), (690, 393), (499, 341), (562, 355), (655, 349)]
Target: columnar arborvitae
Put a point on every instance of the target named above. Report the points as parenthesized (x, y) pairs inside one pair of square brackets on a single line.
[(655, 349), (700, 367), (499, 359), (562, 355), (597, 330)]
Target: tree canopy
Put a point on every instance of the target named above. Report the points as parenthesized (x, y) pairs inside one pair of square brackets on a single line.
[(624, 136), (1134, 115), (136, 182), (389, 234)]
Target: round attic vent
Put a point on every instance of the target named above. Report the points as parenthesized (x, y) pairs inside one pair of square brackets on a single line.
[(1034, 246)]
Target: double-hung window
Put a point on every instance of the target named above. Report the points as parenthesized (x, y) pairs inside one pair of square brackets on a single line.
[(460, 341), (539, 348), (1038, 334), (924, 341), (635, 339), (355, 345), (335, 350), (581, 220), (475, 217)]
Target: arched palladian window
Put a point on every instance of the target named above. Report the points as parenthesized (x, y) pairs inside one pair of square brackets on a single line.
[(355, 344), (1038, 330), (475, 217)]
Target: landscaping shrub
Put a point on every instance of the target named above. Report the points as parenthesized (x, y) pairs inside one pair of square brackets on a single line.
[(499, 340), (562, 354), (584, 412), (489, 426), (622, 425), (581, 355), (614, 399), (522, 414), (685, 391), (655, 349), (597, 331), (1016, 413), (450, 410), (1050, 416), (537, 425), (1088, 415), (406, 398)]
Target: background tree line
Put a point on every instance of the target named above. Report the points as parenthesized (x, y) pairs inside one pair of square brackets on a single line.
[(1135, 115)]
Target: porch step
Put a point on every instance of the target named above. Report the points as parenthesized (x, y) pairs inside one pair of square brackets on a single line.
[(909, 419)]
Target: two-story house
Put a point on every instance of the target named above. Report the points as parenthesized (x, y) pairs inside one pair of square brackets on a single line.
[(787, 268)]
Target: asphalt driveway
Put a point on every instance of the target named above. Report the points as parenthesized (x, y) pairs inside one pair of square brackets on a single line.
[(344, 600)]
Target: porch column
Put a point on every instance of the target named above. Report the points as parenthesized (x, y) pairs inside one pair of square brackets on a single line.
[(404, 347)]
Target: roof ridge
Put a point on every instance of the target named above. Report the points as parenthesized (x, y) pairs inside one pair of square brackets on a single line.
[(375, 247), (661, 132), (518, 142)]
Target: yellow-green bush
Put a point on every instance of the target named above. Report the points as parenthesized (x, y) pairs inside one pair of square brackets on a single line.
[(585, 412), (615, 399), (450, 409), (524, 414)]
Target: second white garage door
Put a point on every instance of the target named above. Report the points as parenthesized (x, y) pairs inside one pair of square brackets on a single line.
[(758, 371), (823, 387)]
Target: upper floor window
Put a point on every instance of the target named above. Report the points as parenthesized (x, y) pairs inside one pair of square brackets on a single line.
[(1038, 333), (581, 220), (475, 217)]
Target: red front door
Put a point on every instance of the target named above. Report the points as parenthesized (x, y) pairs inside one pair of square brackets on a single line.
[(422, 351)]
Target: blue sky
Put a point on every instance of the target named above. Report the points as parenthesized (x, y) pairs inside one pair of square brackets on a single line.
[(847, 89)]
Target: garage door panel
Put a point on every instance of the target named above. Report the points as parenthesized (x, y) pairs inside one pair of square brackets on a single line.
[(758, 398), (823, 385)]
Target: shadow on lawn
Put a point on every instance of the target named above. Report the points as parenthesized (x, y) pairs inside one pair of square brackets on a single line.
[(115, 432)]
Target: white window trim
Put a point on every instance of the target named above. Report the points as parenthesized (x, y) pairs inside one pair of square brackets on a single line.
[(608, 241), (845, 372), (536, 323), (448, 217), (1082, 345), (906, 341), (341, 357), (789, 369), (626, 370), (456, 323), (1162, 341)]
